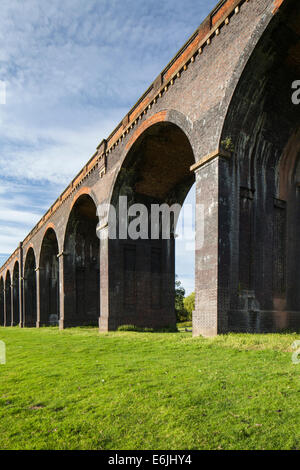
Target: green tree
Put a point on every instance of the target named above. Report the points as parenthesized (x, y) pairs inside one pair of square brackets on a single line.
[(181, 314), (189, 305)]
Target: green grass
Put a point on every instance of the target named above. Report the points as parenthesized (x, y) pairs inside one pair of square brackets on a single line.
[(184, 325), (76, 389)]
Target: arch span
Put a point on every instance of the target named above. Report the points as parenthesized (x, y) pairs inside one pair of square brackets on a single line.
[(81, 265), (2, 319), (262, 129), (8, 303), (49, 280), (16, 294), (155, 171), (30, 292)]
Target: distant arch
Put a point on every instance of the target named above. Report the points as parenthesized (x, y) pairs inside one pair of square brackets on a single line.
[(1, 302), (83, 192), (30, 289), (8, 305), (16, 291), (49, 279), (82, 264)]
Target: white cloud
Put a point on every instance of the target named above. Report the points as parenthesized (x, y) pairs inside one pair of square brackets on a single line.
[(10, 238), (18, 217), (52, 154)]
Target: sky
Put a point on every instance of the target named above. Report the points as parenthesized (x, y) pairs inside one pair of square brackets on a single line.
[(72, 69)]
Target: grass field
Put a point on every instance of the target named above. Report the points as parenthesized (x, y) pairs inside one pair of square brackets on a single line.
[(76, 389)]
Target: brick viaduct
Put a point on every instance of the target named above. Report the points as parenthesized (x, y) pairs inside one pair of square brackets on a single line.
[(221, 115)]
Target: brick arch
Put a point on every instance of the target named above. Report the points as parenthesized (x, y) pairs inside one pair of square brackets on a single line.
[(168, 115), (49, 226), (252, 82), (261, 130), (1, 301), (262, 126), (49, 279), (28, 247), (8, 282), (83, 191), (154, 169), (16, 293), (30, 287), (158, 117), (15, 263), (268, 20), (81, 262), (7, 273), (4, 273), (171, 116)]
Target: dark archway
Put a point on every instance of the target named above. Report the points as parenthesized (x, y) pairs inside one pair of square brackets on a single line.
[(286, 297), (8, 320), (49, 280), (156, 171), (262, 130), (1, 302), (16, 291), (82, 265), (30, 290)]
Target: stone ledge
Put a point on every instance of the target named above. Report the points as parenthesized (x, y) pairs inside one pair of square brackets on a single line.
[(209, 157)]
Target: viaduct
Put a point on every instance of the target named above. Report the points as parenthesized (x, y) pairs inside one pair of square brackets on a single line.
[(221, 115)]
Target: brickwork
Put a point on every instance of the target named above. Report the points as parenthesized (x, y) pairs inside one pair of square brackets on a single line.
[(220, 113)]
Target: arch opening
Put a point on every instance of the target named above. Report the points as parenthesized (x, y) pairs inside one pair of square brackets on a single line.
[(30, 314), (262, 127), (49, 280), (155, 172), (1, 302), (82, 265), (290, 241), (16, 291), (8, 305)]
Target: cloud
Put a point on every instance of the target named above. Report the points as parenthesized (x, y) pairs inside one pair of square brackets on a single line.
[(54, 154)]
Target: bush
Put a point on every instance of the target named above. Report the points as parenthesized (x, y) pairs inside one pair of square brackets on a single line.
[(185, 324), (189, 305), (128, 328), (181, 313)]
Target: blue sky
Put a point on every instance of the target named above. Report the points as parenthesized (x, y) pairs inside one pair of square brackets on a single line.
[(72, 69)]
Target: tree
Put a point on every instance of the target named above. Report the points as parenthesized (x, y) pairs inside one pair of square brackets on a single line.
[(181, 314), (189, 305)]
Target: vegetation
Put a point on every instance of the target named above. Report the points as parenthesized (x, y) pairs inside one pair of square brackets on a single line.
[(166, 329), (184, 325), (76, 389), (181, 313), (184, 306), (189, 305), (228, 144)]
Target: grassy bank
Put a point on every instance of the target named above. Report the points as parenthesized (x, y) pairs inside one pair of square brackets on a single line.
[(76, 389)]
